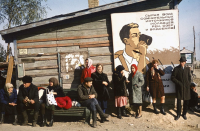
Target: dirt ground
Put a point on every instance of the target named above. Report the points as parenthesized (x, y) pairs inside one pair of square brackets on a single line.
[(149, 121)]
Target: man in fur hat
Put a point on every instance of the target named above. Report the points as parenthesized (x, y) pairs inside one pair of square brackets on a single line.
[(87, 96), (182, 78), (28, 98)]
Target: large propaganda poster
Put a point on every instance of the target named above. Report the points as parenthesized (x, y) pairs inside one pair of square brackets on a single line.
[(140, 37)]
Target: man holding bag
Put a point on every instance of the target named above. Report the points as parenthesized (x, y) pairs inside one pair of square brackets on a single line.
[(28, 98)]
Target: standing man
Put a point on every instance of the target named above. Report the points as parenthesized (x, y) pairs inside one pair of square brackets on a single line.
[(28, 98), (87, 96), (182, 78)]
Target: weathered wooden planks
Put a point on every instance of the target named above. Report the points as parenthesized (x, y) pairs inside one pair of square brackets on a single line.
[(63, 38), (39, 63), (41, 68), (10, 70), (100, 50), (97, 43), (39, 72)]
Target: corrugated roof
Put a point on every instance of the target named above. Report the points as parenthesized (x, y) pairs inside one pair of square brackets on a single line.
[(70, 15), (60, 18)]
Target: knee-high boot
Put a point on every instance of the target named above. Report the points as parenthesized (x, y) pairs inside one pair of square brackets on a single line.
[(43, 121), (15, 121), (119, 113), (51, 121), (162, 109), (155, 109), (100, 111), (94, 117), (25, 116), (35, 118), (2, 118), (124, 111)]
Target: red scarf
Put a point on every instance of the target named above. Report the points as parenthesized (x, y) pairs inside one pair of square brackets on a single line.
[(133, 73)]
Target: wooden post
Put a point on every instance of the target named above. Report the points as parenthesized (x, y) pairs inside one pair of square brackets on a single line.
[(8, 49), (10, 70)]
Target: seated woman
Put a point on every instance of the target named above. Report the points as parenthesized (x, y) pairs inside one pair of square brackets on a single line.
[(58, 92), (8, 99), (195, 98)]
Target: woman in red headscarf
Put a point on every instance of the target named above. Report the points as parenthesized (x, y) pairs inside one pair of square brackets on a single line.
[(135, 82)]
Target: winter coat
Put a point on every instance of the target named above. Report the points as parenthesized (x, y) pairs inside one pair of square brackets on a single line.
[(6, 99), (87, 72), (119, 85), (135, 87), (182, 79), (100, 88), (155, 84), (32, 94), (83, 92), (194, 98)]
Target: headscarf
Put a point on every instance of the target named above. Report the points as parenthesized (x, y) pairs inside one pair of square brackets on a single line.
[(89, 62), (119, 68), (88, 70), (133, 73), (7, 86), (54, 81)]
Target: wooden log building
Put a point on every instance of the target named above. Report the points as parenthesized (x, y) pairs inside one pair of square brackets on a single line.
[(39, 47)]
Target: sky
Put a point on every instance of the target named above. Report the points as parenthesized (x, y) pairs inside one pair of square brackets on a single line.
[(189, 16)]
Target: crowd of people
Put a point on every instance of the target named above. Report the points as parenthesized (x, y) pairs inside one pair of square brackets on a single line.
[(93, 93)]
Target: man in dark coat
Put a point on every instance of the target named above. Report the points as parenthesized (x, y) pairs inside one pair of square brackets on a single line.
[(182, 78), (87, 96), (28, 98)]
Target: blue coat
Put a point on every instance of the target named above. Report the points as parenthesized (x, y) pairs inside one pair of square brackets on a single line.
[(6, 99)]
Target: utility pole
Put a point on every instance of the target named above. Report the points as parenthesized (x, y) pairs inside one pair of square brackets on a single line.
[(194, 53)]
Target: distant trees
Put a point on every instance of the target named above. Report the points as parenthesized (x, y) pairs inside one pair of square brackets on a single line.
[(2, 53), (18, 12)]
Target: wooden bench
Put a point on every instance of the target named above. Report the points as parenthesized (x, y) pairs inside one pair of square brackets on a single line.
[(73, 111)]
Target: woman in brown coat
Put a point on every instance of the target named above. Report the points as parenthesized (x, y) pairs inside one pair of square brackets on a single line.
[(155, 85)]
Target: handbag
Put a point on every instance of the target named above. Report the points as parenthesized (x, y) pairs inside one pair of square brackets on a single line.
[(50, 100), (147, 97), (76, 103)]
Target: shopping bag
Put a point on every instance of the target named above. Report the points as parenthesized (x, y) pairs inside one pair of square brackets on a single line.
[(147, 97), (50, 100)]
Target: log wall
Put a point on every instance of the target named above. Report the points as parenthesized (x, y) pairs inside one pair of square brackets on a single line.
[(93, 35)]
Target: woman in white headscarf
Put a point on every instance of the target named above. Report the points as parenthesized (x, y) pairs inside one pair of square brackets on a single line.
[(88, 70), (8, 99)]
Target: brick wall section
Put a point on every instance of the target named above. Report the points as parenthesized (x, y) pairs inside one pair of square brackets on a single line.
[(93, 3)]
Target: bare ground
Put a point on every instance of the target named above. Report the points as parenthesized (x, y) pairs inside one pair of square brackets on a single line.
[(149, 121)]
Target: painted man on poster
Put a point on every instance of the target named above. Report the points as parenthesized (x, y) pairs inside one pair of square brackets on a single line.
[(136, 45)]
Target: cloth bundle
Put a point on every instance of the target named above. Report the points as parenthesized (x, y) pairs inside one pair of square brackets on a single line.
[(64, 102)]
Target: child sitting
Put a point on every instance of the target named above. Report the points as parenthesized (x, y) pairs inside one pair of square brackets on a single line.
[(195, 98)]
